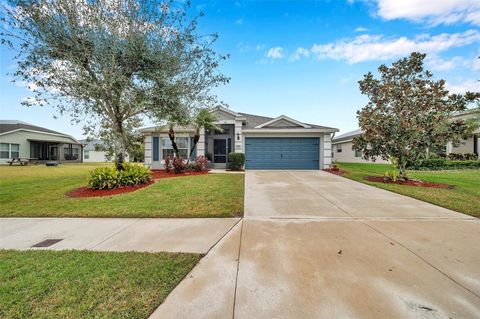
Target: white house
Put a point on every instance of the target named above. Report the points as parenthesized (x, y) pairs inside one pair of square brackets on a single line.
[(268, 143), (95, 151)]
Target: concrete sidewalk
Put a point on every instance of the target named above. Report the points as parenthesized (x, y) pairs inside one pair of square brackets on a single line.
[(116, 234)]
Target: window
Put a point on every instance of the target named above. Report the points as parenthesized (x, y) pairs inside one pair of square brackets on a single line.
[(9, 150), (86, 154), (358, 153), (182, 144), (339, 148)]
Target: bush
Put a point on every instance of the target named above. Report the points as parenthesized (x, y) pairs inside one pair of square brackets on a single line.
[(111, 178), (176, 165), (236, 161), (443, 164), (462, 156), (200, 164)]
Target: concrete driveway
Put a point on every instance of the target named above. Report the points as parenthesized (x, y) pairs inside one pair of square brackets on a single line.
[(315, 245)]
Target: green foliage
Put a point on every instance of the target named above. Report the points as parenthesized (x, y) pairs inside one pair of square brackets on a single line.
[(200, 164), (462, 156), (408, 113), (111, 178), (393, 174), (236, 161), (175, 164), (444, 164)]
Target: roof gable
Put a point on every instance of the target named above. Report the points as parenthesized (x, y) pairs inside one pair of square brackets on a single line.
[(283, 122)]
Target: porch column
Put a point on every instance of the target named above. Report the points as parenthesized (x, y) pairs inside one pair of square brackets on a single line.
[(327, 151), (449, 148), (201, 143), (148, 150), (238, 137)]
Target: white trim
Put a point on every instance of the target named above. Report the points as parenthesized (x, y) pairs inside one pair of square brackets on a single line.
[(289, 130), (221, 108), (47, 133), (286, 118), (342, 141)]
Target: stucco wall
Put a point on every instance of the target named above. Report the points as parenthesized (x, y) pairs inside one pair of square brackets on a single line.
[(466, 146), (348, 155)]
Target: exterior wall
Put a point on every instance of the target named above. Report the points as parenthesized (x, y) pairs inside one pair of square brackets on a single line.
[(238, 138), (22, 138), (321, 136), (148, 150), (327, 151), (348, 154), (466, 146), (99, 156)]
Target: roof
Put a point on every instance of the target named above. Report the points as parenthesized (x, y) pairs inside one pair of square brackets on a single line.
[(12, 125), (252, 122), (346, 136), (92, 145)]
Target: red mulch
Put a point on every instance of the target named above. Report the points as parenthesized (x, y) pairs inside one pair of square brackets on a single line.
[(379, 179), (161, 173), (156, 174), (87, 192), (334, 171)]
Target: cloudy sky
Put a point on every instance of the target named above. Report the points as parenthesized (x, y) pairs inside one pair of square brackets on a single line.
[(304, 58)]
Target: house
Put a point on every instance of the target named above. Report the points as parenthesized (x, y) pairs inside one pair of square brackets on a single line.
[(96, 151), (471, 144), (342, 150), (268, 143), (23, 140)]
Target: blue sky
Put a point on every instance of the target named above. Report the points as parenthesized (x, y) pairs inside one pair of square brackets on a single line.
[(304, 58)]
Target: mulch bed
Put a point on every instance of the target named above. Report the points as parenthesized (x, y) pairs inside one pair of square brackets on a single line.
[(87, 192), (334, 171), (156, 175), (379, 179), (161, 173)]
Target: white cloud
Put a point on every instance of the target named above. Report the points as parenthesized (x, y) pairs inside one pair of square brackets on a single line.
[(431, 12), (468, 85), (367, 47), (239, 21), (437, 63), (360, 29), (275, 53), (299, 53)]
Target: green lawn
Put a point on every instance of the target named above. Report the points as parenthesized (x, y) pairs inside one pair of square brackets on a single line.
[(40, 191), (86, 284), (462, 198)]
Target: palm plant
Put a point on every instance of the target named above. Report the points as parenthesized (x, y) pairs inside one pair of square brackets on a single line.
[(206, 120)]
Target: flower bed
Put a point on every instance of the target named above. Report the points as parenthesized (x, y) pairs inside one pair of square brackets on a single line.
[(334, 171), (379, 179), (161, 173)]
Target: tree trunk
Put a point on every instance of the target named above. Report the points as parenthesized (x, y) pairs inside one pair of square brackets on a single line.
[(196, 138), (119, 146), (171, 135), (402, 164)]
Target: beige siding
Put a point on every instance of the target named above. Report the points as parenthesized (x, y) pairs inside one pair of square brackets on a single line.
[(466, 146), (348, 154)]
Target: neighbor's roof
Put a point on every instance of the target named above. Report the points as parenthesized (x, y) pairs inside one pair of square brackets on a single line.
[(7, 126), (347, 136), (90, 145)]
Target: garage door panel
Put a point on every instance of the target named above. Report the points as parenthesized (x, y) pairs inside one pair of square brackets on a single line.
[(282, 152)]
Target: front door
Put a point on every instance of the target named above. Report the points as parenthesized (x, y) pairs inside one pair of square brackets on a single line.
[(220, 150)]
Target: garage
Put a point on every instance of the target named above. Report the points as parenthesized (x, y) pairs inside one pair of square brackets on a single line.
[(282, 152)]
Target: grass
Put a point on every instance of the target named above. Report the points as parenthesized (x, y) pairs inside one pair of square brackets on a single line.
[(40, 191), (86, 284), (462, 198)]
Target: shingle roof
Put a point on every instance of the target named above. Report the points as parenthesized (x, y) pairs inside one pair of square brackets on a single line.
[(256, 120), (12, 125), (91, 145), (347, 136)]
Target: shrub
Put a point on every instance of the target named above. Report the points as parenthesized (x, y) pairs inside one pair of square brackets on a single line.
[(462, 156), (443, 164), (236, 161), (168, 164), (111, 178), (200, 164), (178, 165)]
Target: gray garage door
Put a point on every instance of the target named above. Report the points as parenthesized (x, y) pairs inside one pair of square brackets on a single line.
[(282, 152)]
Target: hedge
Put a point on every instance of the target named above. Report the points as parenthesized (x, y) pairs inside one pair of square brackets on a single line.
[(444, 164)]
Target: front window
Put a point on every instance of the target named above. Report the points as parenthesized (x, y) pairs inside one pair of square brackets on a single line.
[(86, 154), (339, 148), (358, 153), (9, 150), (182, 144)]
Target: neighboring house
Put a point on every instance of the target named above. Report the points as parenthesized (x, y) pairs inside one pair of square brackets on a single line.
[(268, 143), (22, 140), (342, 150), (472, 144), (95, 151)]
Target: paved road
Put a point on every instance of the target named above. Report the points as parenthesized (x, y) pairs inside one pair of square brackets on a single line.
[(315, 245)]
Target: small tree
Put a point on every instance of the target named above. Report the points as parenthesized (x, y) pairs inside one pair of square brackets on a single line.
[(112, 62), (408, 113), (206, 120)]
